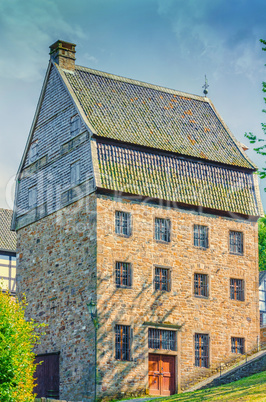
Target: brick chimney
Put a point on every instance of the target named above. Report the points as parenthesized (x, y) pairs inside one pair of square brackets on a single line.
[(63, 53)]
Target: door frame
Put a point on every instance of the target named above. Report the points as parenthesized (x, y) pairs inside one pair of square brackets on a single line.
[(176, 353)]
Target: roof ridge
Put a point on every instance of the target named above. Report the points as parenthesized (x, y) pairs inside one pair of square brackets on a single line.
[(141, 83)]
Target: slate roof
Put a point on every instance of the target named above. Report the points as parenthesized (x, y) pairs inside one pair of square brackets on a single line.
[(156, 117), (176, 179), (8, 239)]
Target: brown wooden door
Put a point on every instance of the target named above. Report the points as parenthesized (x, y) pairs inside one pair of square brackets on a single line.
[(47, 376), (161, 374)]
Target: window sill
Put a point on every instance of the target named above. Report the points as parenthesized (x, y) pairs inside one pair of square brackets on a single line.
[(123, 235), (163, 352), (239, 254), (162, 241), (124, 287), (236, 300), (201, 248), (202, 297)]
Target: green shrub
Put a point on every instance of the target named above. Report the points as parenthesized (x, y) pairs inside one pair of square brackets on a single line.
[(17, 338)]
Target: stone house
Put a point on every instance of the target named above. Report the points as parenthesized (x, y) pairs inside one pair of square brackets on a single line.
[(7, 252), (136, 200)]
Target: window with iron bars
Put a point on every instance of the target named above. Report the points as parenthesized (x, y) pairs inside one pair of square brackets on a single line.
[(122, 223), (122, 342), (201, 287), (262, 293), (162, 279), (237, 345), (236, 242), (201, 236), (162, 339), (237, 289), (202, 350), (122, 274), (162, 229)]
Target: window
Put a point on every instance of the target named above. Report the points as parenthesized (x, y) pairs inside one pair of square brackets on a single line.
[(201, 350), (162, 229), (236, 242), (123, 274), (33, 155), (75, 125), (201, 236), (162, 279), (8, 272), (32, 197), (262, 293), (237, 345), (122, 342), (201, 285), (162, 339), (237, 289), (75, 173), (122, 223)]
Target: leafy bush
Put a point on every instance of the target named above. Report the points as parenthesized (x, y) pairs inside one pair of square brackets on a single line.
[(17, 338)]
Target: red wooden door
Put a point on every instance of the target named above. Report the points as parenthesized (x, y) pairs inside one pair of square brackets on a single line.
[(161, 374)]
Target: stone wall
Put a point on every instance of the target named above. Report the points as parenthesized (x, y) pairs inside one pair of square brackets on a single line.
[(218, 316), (57, 273), (263, 335), (255, 366)]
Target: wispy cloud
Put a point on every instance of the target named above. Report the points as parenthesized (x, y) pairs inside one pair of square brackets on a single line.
[(26, 27)]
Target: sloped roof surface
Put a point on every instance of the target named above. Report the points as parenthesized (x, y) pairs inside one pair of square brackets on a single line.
[(8, 239), (143, 114), (175, 179)]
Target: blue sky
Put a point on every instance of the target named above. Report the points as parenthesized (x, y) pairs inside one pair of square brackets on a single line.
[(172, 43)]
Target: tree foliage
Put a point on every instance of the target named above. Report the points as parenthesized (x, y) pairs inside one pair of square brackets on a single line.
[(17, 338), (262, 243), (253, 139)]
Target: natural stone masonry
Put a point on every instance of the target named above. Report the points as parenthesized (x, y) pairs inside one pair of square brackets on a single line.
[(57, 273), (217, 315), (60, 261), (255, 366)]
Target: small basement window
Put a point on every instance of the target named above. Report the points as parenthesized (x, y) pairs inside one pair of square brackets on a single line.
[(237, 345)]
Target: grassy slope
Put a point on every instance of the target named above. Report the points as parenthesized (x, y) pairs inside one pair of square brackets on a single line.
[(251, 388)]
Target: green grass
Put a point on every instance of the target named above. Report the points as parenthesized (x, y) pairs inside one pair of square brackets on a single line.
[(251, 388)]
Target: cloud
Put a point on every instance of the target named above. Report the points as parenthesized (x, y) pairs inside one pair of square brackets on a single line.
[(27, 28), (227, 38)]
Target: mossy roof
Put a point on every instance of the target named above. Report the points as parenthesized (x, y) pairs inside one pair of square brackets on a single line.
[(144, 114), (176, 179), (7, 237)]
